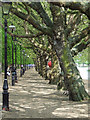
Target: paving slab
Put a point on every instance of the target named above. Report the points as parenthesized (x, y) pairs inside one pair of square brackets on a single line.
[(33, 97)]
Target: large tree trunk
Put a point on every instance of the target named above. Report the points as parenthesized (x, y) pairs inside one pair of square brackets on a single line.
[(44, 66), (38, 64), (72, 78), (41, 65)]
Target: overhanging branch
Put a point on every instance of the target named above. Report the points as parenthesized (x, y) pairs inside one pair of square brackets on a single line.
[(30, 20), (83, 8), (83, 45), (25, 36), (76, 39)]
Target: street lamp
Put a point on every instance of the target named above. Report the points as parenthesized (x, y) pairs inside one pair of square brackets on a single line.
[(5, 9), (27, 61), (21, 65), (12, 27), (15, 61), (23, 62)]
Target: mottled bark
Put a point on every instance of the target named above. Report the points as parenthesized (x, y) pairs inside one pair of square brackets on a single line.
[(44, 67), (72, 78), (38, 64)]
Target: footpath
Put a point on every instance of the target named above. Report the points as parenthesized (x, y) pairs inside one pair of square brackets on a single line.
[(33, 97)]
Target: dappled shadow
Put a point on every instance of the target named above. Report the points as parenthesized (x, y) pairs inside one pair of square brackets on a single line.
[(34, 98), (37, 79), (37, 82)]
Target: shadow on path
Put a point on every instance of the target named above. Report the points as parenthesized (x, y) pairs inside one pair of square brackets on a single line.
[(33, 97)]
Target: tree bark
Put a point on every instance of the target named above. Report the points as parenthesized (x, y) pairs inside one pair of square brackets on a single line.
[(72, 78)]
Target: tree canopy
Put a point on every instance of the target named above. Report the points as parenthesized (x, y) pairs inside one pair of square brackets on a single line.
[(56, 30)]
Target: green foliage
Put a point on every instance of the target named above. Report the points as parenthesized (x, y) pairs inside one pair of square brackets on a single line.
[(22, 26), (82, 57), (9, 51)]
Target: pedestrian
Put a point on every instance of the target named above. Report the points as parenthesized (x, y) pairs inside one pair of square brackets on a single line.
[(21, 66), (50, 64), (8, 71)]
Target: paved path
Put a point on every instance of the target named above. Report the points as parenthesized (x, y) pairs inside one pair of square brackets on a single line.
[(33, 97)]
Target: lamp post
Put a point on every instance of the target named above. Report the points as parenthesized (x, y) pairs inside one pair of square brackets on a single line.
[(5, 9), (23, 62), (15, 61), (12, 27), (21, 65), (27, 61)]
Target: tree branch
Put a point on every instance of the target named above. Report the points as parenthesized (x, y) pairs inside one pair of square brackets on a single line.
[(83, 8), (25, 36), (30, 20), (26, 7), (76, 39), (38, 7), (72, 25), (83, 45)]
